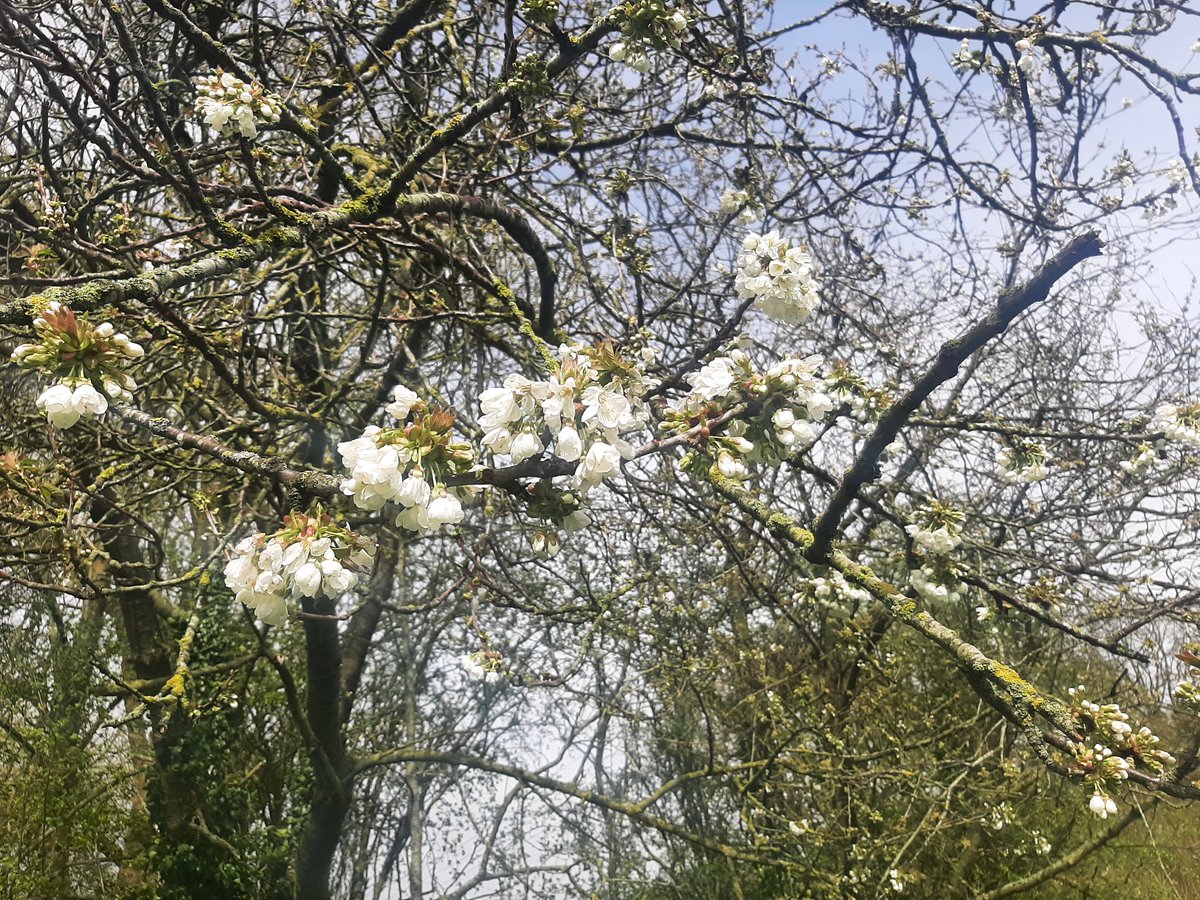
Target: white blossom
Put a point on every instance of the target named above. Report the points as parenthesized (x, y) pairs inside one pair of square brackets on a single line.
[(1023, 464), (1177, 173), (480, 665), (307, 580), (64, 404), (409, 465), (525, 445), (740, 202), (81, 355), (594, 398), (935, 587), (966, 59), (667, 29), (576, 521), (1141, 462), (732, 467), (1102, 805), (714, 380), (499, 406), (833, 591), (445, 509), (778, 276), (414, 491), (569, 447), (936, 540), (227, 104), (1179, 423), (402, 403), (601, 461), (1028, 61), (546, 543), (308, 557)]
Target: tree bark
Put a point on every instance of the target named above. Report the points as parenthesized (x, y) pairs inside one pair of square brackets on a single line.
[(330, 798)]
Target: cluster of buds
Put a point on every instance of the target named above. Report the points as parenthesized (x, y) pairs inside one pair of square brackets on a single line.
[(937, 529), (968, 60), (866, 403), (1110, 723), (309, 557), (1187, 693), (646, 25), (79, 356), (1107, 718), (1023, 462), (228, 103), (409, 464), (1121, 749), (832, 592), (558, 508), (1102, 770)]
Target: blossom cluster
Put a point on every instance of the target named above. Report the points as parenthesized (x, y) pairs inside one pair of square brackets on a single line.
[(778, 276), (783, 406), (968, 60), (309, 557), (1177, 174), (486, 665), (1179, 423), (580, 413), (80, 355), (938, 529), (409, 464), (936, 584), (646, 25), (1141, 462), (1023, 462), (228, 103), (833, 592), (741, 202), (1160, 203), (1028, 61)]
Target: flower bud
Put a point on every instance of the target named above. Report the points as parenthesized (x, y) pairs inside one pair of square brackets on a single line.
[(23, 352)]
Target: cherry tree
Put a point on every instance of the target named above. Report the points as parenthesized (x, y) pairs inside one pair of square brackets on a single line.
[(577, 448)]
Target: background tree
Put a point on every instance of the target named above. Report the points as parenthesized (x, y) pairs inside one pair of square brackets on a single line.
[(312, 221)]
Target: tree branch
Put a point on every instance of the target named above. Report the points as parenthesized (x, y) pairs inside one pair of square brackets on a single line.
[(952, 355)]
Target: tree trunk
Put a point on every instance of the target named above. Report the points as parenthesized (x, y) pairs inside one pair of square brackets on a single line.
[(332, 787)]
